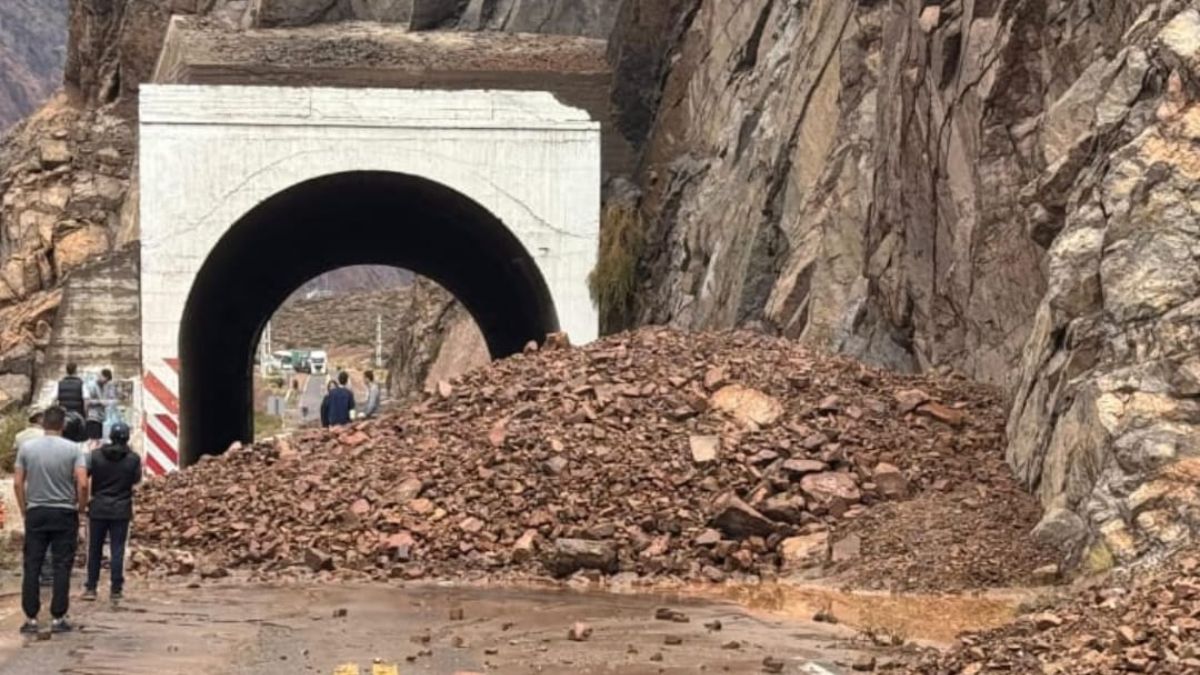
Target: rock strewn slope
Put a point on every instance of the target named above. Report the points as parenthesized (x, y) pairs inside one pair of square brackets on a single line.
[(695, 456)]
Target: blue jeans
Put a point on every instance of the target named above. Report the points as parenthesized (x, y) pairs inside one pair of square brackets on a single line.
[(100, 529)]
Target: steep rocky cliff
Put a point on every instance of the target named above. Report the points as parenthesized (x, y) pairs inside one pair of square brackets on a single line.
[(33, 41), (998, 187)]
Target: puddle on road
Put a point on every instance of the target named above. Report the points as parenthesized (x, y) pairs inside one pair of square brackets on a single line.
[(930, 619)]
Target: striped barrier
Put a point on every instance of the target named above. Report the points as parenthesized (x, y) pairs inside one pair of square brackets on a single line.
[(160, 420)]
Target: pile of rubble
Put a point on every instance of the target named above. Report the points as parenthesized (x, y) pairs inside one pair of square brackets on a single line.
[(655, 453), (1138, 622)]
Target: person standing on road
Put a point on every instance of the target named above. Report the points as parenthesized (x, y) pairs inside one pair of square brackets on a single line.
[(50, 482), (70, 391), (338, 405), (372, 407), (114, 469)]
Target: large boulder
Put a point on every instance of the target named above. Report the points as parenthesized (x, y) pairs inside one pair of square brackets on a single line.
[(568, 556)]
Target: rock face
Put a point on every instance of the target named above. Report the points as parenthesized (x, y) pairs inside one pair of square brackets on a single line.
[(1106, 423), (33, 41), (435, 340), (1001, 188)]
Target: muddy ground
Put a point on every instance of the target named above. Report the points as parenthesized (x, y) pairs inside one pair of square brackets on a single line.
[(237, 629)]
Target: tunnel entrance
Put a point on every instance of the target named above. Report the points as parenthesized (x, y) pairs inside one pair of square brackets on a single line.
[(353, 218)]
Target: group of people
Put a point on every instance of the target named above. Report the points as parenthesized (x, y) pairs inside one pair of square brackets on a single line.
[(338, 406), (91, 405), (60, 481)]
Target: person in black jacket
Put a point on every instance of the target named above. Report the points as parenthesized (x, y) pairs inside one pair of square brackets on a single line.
[(114, 469), (70, 392)]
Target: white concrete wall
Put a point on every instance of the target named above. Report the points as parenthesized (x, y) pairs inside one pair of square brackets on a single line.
[(211, 154)]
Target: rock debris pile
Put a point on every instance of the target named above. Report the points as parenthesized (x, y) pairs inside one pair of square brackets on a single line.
[(1134, 623), (654, 453)]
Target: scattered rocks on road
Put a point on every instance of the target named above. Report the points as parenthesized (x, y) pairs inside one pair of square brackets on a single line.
[(1145, 621)]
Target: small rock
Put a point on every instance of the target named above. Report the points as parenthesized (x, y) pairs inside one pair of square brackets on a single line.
[(748, 406), (708, 537), (864, 664), (772, 665), (317, 560), (568, 556), (457, 614), (890, 481), (804, 551), (802, 467), (1046, 620), (673, 640), (705, 449), (340, 613), (732, 644), (525, 547), (738, 519), (846, 549), (830, 404), (656, 657), (910, 399), (713, 625), (579, 632), (1045, 575), (943, 414), (714, 378)]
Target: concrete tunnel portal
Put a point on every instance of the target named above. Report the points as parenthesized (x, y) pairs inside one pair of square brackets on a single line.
[(331, 222), (248, 192)]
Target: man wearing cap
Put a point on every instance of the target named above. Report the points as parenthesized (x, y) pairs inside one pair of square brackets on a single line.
[(34, 430), (114, 470)]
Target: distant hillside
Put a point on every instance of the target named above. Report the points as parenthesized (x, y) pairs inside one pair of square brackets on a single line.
[(354, 279), (33, 39)]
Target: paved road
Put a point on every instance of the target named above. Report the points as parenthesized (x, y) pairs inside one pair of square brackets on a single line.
[(310, 398), (239, 629)]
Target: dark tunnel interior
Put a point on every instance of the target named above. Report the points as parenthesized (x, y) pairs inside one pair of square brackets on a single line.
[(359, 218)]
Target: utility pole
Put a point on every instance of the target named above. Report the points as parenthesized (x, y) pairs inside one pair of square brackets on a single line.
[(265, 344), (378, 340)]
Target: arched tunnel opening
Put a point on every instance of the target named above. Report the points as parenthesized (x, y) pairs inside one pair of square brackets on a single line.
[(357, 218)]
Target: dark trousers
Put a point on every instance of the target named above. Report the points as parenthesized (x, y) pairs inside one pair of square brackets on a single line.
[(101, 528), (56, 530)]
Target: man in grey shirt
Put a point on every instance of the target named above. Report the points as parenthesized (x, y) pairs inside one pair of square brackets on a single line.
[(51, 485), (372, 407)]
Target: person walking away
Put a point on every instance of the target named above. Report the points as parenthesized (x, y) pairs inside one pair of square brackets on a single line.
[(372, 407), (114, 470), (50, 482), (70, 391), (340, 402), (329, 387)]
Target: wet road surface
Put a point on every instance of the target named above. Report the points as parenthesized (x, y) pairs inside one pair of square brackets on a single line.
[(239, 629)]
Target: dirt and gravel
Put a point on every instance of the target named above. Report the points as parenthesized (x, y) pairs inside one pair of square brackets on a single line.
[(654, 455), (255, 629), (1138, 621)]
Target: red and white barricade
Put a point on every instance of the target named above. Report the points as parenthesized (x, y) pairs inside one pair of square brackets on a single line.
[(160, 416)]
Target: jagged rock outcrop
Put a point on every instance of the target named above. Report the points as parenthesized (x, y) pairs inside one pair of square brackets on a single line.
[(64, 179), (1106, 421), (437, 340), (33, 40)]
